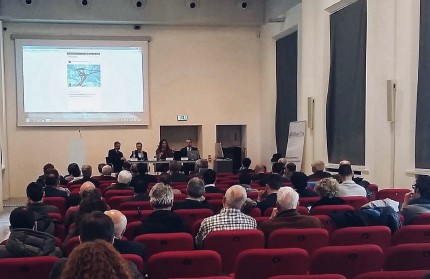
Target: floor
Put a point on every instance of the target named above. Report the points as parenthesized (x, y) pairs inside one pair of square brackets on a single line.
[(8, 206)]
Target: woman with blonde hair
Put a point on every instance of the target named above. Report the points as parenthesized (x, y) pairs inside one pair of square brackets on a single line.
[(96, 260), (328, 189)]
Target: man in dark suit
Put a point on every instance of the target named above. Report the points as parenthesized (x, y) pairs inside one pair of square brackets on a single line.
[(209, 177), (187, 167), (35, 202), (51, 185), (87, 171), (139, 154), (143, 178), (195, 199), (267, 197), (115, 157)]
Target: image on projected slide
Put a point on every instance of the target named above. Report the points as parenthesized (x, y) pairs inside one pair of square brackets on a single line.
[(83, 75)]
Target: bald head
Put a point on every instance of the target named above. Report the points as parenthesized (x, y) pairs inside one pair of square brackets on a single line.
[(87, 186), (119, 222), (318, 166), (344, 162), (287, 198), (259, 168), (87, 170), (107, 170), (235, 197)]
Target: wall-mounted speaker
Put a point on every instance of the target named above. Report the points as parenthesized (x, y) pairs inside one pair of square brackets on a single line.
[(192, 4), (391, 100), (138, 4), (84, 3), (311, 112), (29, 3)]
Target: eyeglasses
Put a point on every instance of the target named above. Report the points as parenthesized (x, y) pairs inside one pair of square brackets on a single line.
[(414, 186)]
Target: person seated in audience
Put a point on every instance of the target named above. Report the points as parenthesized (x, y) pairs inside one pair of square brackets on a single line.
[(195, 198), (200, 167), (318, 171), (277, 169), (166, 180), (96, 259), (140, 194), (348, 187), (124, 179), (283, 161), (133, 170), (162, 220), (74, 172), (107, 175), (35, 200), (328, 189), (85, 190), (93, 227), (163, 150), (246, 163), (245, 181), (290, 169), (52, 188), (267, 197), (143, 177), (230, 217), (124, 246), (209, 178), (115, 157), (175, 175), (23, 240), (126, 166), (100, 168), (139, 154), (300, 182), (260, 171), (359, 180), (46, 168), (285, 214), (418, 201), (87, 172)]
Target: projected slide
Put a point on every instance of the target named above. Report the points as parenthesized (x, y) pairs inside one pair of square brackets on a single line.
[(65, 84)]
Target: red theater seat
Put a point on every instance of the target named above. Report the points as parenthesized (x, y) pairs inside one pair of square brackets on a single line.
[(307, 239), (327, 209), (135, 215), (378, 235), (24, 268), (410, 274), (413, 256), (412, 234), (135, 205), (319, 276), (190, 216), (394, 194), (59, 202), (137, 260)]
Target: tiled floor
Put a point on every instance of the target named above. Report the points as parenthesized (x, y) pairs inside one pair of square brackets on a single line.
[(8, 206)]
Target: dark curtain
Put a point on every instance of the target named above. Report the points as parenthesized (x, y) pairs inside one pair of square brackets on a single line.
[(422, 130), (346, 98), (286, 85)]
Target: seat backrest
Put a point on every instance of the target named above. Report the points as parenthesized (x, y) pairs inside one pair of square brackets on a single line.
[(422, 219), (137, 260), (308, 201), (59, 202), (253, 212), (213, 196), (136, 215), (190, 216), (24, 268), (349, 261), (412, 256), (356, 202), (327, 209), (394, 194), (327, 223), (252, 195), (268, 212), (184, 264), (410, 274), (114, 193), (163, 242), (319, 276), (264, 263), (229, 244), (378, 235), (412, 234), (307, 239), (131, 228), (217, 205), (114, 202), (302, 210), (134, 205), (71, 244)]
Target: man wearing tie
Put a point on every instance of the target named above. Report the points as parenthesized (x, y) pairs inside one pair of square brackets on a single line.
[(139, 154), (115, 157), (187, 167)]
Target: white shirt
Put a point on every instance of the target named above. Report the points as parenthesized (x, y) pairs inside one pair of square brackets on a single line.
[(350, 188)]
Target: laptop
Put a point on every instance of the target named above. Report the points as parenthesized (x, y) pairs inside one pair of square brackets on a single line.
[(193, 155)]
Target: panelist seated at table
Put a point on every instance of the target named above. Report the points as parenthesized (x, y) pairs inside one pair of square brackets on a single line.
[(139, 154), (189, 151), (115, 157), (163, 151)]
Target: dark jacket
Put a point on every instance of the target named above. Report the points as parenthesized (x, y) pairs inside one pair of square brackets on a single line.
[(191, 204), (29, 243), (85, 179), (119, 186), (54, 192), (329, 201), (41, 208), (129, 247), (179, 177), (114, 158), (305, 193), (135, 154), (138, 197), (144, 179), (269, 201), (259, 176), (162, 221), (213, 189), (319, 175)]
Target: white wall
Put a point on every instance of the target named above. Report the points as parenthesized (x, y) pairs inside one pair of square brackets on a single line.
[(219, 68), (392, 53)]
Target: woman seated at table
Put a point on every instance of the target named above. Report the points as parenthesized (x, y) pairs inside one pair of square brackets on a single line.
[(163, 151), (328, 189)]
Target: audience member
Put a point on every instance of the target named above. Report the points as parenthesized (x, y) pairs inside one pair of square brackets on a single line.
[(300, 182), (85, 190), (246, 163), (260, 171), (175, 175), (267, 197), (133, 170), (162, 220), (245, 181), (98, 260), (143, 178), (195, 198), (94, 226), (318, 171), (290, 170), (328, 189), (23, 240), (209, 178), (418, 201), (139, 193), (285, 214), (87, 172), (74, 172), (200, 167), (107, 175), (100, 168), (52, 188), (124, 246), (166, 180), (349, 187), (139, 154), (277, 169), (115, 157), (126, 166), (46, 168), (124, 179), (230, 217)]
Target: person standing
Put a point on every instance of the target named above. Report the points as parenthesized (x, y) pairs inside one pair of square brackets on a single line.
[(115, 157)]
